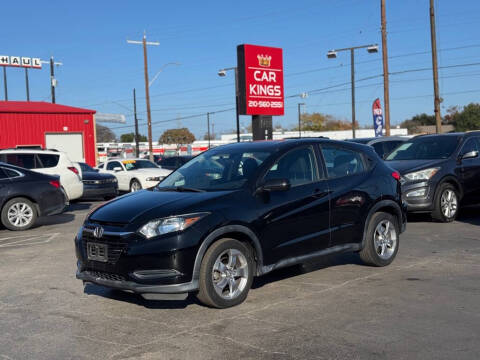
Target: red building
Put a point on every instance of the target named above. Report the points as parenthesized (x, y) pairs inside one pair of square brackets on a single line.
[(51, 126)]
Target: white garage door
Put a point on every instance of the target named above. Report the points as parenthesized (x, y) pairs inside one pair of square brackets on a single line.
[(72, 144)]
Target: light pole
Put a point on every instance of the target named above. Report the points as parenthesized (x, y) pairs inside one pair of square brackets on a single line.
[(332, 54), (222, 73), (300, 120)]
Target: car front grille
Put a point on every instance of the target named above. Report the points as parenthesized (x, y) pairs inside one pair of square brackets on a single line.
[(105, 276), (115, 246), (100, 182)]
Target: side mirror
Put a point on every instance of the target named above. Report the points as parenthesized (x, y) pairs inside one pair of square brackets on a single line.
[(276, 185), (117, 169), (470, 155)]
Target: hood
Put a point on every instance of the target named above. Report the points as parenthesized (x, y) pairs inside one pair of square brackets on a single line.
[(92, 175), (407, 166), (146, 205), (151, 172)]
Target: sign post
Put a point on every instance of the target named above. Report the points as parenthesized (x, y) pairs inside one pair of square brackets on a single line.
[(377, 118), (260, 86), (17, 61)]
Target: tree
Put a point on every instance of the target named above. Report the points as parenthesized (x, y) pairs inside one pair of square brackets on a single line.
[(323, 122), (177, 136), (104, 134), (130, 137), (418, 120), (468, 118)]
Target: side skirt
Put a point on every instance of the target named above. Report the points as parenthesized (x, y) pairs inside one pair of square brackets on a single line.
[(301, 259)]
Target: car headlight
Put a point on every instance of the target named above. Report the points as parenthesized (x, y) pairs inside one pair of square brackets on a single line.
[(155, 178), (171, 224), (422, 174)]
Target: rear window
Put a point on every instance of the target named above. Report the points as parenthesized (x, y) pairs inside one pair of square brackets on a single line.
[(26, 161), (9, 173)]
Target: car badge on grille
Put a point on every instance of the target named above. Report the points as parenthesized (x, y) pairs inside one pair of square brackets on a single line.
[(98, 232)]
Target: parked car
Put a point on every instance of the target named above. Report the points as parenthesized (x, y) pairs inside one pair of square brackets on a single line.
[(383, 145), (96, 184), (134, 174), (50, 162), (26, 195), (438, 171), (174, 162), (275, 204)]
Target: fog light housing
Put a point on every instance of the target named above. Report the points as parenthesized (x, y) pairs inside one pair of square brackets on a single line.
[(417, 193)]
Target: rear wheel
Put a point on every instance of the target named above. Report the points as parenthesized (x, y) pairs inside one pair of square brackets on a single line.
[(19, 214), (226, 274), (381, 240), (135, 185), (446, 203)]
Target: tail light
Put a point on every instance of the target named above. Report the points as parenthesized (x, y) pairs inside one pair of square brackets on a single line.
[(396, 175), (55, 183), (74, 169)]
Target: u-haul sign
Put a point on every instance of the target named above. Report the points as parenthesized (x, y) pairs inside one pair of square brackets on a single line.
[(20, 61), (260, 80)]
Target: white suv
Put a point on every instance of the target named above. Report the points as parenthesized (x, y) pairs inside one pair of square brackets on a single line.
[(49, 162)]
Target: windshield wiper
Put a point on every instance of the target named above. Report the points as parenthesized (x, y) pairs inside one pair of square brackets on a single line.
[(180, 189)]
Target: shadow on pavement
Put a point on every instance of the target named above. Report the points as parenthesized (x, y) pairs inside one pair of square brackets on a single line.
[(467, 214), (92, 289)]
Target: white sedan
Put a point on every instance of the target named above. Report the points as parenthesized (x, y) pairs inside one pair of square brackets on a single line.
[(134, 174)]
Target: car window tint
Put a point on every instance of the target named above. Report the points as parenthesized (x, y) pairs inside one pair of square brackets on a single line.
[(3, 175), (299, 166), (113, 164), (168, 162), (470, 145), (342, 162), (26, 161), (100, 166), (379, 148), (11, 173), (391, 145), (49, 160)]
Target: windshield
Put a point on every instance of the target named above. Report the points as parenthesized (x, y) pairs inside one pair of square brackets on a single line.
[(217, 170), (425, 148), (138, 164)]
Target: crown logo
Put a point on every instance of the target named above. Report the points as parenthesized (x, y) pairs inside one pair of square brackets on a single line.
[(264, 60)]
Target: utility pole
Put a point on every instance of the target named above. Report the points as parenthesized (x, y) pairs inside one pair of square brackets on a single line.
[(53, 81), (5, 82), (386, 92), (438, 118), (27, 87), (147, 93), (300, 120), (208, 127), (137, 145)]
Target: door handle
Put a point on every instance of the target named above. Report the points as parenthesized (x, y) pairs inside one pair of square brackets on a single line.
[(317, 193)]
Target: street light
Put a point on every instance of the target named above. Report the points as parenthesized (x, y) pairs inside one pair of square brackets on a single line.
[(332, 54), (223, 73), (161, 69)]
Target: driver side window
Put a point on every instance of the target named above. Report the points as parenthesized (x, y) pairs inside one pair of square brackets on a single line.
[(113, 164), (299, 166)]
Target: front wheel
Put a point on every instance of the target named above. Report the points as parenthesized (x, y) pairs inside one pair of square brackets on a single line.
[(19, 214), (226, 274), (135, 185), (446, 203), (381, 240)]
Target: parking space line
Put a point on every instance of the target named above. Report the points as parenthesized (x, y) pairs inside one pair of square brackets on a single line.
[(25, 240)]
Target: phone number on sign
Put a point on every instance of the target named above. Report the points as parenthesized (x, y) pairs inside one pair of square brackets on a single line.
[(265, 104)]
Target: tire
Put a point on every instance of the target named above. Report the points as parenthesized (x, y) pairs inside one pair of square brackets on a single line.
[(135, 185), (217, 273), (19, 214), (446, 203), (381, 241)]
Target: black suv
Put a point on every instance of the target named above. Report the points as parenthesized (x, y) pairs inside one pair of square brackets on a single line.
[(243, 210), (439, 171)]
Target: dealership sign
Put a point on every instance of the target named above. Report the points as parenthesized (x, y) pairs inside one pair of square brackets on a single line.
[(260, 80), (17, 61)]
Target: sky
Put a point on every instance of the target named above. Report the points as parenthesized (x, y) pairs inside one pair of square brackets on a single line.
[(100, 69)]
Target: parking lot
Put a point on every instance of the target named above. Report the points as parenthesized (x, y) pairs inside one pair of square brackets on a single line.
[(425, 305)]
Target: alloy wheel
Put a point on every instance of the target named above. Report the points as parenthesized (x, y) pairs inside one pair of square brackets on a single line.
[(449, 203), (385, 239), (230, 274), (135, 186), (20, 214)]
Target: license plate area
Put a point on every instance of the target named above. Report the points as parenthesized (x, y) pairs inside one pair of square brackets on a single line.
[(97, 252)]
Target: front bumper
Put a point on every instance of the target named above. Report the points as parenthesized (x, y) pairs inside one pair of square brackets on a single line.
[(424, 202), (158, 266), (102, 190)]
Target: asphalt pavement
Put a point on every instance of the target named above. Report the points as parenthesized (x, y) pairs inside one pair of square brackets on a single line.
[(426, 305)]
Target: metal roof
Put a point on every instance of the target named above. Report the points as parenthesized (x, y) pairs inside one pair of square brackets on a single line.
[(40, 107)]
